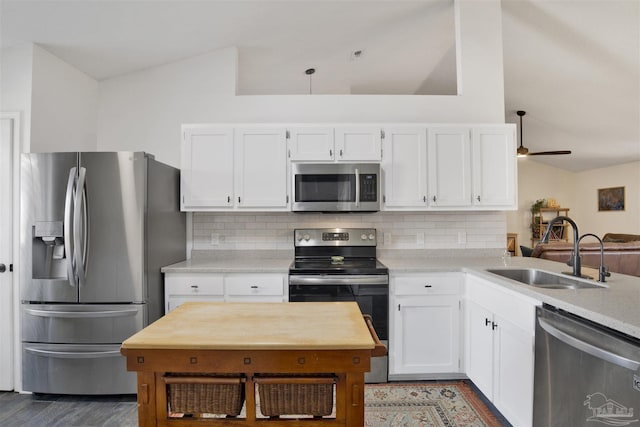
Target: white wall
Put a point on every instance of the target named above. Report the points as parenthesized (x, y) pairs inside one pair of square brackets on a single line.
[(144, 110), (16, 64), (586, 203), (64, 106), (578, 192), (539, 181)]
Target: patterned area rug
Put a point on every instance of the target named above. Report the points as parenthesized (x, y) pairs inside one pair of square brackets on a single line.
[(426, 404)]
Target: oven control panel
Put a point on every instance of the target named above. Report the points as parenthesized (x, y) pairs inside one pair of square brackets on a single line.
[(335, 237)]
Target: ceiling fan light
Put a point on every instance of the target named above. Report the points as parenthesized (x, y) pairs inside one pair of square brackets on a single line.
[(522, 151)]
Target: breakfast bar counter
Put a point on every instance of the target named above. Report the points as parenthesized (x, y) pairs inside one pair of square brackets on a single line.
[(215, 344)]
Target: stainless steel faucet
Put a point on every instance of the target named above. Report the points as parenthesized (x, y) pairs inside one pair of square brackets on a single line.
[(575, 257), (602, 270)]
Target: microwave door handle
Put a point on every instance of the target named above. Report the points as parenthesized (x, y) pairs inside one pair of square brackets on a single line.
[(71, 273), (357, 187)]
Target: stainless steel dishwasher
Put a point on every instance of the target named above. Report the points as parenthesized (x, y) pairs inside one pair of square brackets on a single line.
[(585, 374)]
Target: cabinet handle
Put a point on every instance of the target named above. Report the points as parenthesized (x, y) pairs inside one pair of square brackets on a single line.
[(398, 307), (478, 198), (330, 153), (494, 326), (228, 199), (486, 321), (254, 286), (434, 198), (194, 286), (238, 199), (428, 286), (341, 152), (424, 199)]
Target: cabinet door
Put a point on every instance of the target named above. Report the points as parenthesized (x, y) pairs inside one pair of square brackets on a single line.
[(358, 143), (404, 167), (261, 168), (494, 166), (513, 372), (311, 143), (426, 335), (449, 166), (207, 167), (479, 347)]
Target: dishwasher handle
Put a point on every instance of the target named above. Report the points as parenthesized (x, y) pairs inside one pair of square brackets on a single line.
[(587, 347)]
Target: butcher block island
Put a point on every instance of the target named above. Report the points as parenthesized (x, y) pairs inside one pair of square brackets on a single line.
[(206, 358)]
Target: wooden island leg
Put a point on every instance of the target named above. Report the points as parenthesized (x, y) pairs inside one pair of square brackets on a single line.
[(146, 399), (354, 382)]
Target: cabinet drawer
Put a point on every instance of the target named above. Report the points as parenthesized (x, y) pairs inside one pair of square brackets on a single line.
[(428, 284), (194, 284), (255, 284), (518, 309)]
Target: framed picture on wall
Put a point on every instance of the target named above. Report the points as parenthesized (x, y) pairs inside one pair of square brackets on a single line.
[(611, 199)]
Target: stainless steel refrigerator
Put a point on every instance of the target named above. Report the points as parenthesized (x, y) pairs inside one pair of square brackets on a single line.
[(96, 228)]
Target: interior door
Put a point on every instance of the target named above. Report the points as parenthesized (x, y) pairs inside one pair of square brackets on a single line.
[(113, 257), (6, 246)]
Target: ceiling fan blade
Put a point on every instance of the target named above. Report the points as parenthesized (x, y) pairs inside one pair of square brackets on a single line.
[(549, 153)]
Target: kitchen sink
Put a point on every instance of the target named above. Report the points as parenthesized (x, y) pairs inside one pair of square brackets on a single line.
[(544, 279)]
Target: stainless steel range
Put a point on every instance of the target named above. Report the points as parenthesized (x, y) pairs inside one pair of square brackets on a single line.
[(339, 264)]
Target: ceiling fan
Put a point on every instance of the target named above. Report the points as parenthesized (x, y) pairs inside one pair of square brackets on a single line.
[(524, 151)]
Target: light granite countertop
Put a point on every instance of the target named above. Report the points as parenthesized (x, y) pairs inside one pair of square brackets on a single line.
[(617, 306), (242, 264)]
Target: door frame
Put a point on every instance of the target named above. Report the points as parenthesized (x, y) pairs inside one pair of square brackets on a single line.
[(16, 149)]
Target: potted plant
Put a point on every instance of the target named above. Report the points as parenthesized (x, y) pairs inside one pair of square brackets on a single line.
[(535, 216)]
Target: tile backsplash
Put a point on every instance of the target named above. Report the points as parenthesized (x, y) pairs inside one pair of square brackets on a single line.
[(396, 230)]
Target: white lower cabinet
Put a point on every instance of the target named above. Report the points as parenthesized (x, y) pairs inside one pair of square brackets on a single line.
[(425, 323), (246, 287), (499, 347)]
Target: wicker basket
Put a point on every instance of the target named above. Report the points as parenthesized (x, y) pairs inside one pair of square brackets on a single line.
[(205, 393), (296, 395)]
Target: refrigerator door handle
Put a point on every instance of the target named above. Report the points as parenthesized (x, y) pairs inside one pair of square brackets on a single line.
[(80, 205), (73, 354), (71, 273), (79, 314)]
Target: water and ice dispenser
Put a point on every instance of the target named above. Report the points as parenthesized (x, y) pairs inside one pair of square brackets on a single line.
[(49, 261)]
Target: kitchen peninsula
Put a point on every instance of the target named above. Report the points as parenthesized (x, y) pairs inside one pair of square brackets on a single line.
[(248, 340)]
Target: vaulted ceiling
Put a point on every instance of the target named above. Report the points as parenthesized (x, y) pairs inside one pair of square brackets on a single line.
[(572, 65)]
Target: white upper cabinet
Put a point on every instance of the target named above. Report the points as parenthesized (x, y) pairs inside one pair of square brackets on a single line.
[(466, 167), (404, 168), (207, 167), (335, 144), (449, 166), (494, 166), (225, 168), (260, 168), (424, 167), (358, 143), (311, 143)]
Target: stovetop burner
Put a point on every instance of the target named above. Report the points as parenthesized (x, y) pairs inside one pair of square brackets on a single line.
[(336, 251), (347, 266)]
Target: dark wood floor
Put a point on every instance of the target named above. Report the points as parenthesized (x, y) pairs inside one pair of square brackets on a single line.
[(38, 410), (67, 411)]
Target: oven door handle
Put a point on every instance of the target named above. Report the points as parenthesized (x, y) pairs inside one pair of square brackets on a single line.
[(327, 279)]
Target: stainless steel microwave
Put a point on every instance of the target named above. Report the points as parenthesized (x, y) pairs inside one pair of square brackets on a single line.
[(336, 187)]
